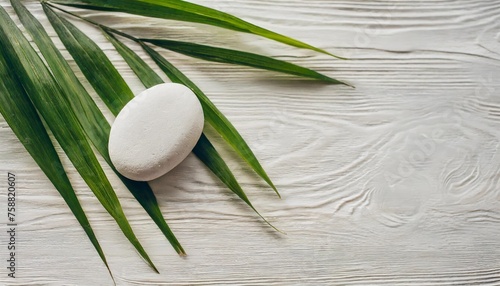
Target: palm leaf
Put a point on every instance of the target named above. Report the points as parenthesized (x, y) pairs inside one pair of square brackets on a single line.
[(93, 121), (185, 11), (53, 106), (222, 55), (31, 92), (144, 72), (213, 116), (204, 149), (93, 63), (209, 155), (96, 66), (20, 114)]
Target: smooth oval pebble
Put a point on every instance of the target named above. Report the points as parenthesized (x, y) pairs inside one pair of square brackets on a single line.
[(155, 131)]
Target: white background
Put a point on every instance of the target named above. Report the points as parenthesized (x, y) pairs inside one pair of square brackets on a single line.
[(394, 182)]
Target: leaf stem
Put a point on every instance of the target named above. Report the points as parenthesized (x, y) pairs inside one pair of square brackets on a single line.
[(141, 41), (220, 119), (107, 28)]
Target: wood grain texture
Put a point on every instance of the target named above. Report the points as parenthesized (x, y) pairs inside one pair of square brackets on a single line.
[(395, 182)]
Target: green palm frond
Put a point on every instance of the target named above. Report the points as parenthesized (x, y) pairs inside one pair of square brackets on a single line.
[(185, 11), (50, 101), (204, 149), (222, 55), (22, 117), (93, 121), (41, 94)]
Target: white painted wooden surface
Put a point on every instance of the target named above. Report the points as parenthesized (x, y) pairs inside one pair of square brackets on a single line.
[(394, 182)]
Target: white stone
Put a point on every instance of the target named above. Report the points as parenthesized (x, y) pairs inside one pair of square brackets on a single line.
[(155, 131)]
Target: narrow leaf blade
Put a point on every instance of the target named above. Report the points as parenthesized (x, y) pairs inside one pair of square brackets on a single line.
[(207, 153), (48, 99), (204, 150), (212, 114), (189, 12), (229, 56), (92, 119), (20, 114), (144, 72), (112, 88)]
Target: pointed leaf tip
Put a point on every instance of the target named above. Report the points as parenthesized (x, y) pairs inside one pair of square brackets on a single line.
[(207, 153), (189, 12), (213, 115), (97, 66), (223, 55), (50, 101), (204, 150), (20, 113)]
